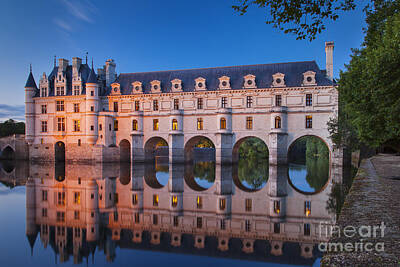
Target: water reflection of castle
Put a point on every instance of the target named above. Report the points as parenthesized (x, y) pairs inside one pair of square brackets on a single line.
[(106, 206)]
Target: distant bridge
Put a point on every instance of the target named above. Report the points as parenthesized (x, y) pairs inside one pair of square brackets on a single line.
[(14, 147)]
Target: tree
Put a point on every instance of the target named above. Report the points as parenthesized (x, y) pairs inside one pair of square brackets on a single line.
[(10, 127), (303, 18), (370, 87)]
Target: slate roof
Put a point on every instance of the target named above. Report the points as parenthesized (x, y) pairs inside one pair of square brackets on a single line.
[(30, 82), (92, 77), (293, 76)]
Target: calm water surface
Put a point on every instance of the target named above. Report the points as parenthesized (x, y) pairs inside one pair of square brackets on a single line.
[(251, 214)]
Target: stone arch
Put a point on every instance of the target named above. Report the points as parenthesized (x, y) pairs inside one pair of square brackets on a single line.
[(154, 147), (59, 151), (8, 153), (235, 150), (192, 142), (124, 151)]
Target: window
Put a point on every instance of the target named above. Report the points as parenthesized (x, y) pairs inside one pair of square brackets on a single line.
[(115, 216), (134, 125), (199, 124), (60, 105), (76, 90), (174, 201), (44, 109), (76, 107), (307, 208), (248, 204), (61, 124), (115, 125), (77, 232), (59, 90), (223, 224), (134, 199), (60, 216), (307, 229), (249, 101), (199, 222), (176, 221), (137, 217), (109, 126), (308, 121), (91, 93), (176, 104), (92, 127), (77, 198), (100, 127), (44, 195), (308, 100), (199, 103), (115, 106), (199, 202), (44, 212), (77, 125), (155, 105), (278, 122), (155, 125), (116, 199), (174, 125), (92, 108), (223, 102), (222, 124), (247, 225), (222, 203), (278, 100), (155, 200), (44, 92), (277, 228), (61, 198), (277, 206), (155, 219), (44, 126), (137, 105), (79, 142), (249, 123), (76, 215)]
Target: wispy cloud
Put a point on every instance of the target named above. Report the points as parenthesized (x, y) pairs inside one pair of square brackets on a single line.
[(12, 112), (63, 25), (77, 11), (80, 9)]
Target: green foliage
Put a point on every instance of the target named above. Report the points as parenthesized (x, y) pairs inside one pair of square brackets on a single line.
[(11, 127), (204, 142), (308, 148), (303, 18), (204, 170), (317, 172), (253, 148), (254, 172), (370, 87)]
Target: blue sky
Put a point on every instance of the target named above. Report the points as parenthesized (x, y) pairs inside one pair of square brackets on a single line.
[(150, 35)]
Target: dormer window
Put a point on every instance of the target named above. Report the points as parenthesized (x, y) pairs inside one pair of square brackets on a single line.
[(43, 92), (249, 81), (224, 82), (278, 80), (155, 86), (77, 90), (115, 89), (309, 78), (200, 84), (137, 87), (176, 85)]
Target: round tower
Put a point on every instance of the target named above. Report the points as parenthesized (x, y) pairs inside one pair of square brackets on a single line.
[(92, 108), (30, 92), (92, 212)]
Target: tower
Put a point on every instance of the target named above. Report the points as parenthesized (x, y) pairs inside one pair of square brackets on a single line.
[(329, 59), (92, 108), (30, 92)]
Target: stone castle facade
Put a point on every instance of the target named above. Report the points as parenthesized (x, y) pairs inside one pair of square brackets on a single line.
[(78, 115)]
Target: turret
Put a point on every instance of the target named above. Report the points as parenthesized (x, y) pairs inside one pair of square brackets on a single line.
[(31, 228), (92, 108), (30, 92)]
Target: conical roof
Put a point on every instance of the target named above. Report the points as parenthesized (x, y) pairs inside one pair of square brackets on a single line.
[(31, 81), (92, 77)]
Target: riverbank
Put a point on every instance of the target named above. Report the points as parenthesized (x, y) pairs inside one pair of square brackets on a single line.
[(373, 198)]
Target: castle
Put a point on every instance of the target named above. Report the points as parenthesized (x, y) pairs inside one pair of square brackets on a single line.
[(78, 115)]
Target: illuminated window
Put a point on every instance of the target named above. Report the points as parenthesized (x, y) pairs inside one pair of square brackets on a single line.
[(155, 105), (277, 206), (278, 100), (134, 199), (115, 106), (307, 229), (308, 121), (199, 202), (248, 204), (134, 125), (199, 222), (199, 124), (44, 126), (278, 122), (176, 104), (77, 125), (61, 124), (222, 124), (174, 201), (224, 102), (115, 125), (77, 198), (249, 123), (307, 208), (76, 107), (44, 195), (222, 203), (277, 228), (44, 109), (137, 105), (155, 200), (60, 105), (249, 101), (174, 125), (155, 125), (247, 226), (199, 103), (308, 100)]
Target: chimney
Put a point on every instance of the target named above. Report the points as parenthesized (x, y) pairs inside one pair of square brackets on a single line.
[(110, 72), (62, 64), (329, 59), (76, 64)]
